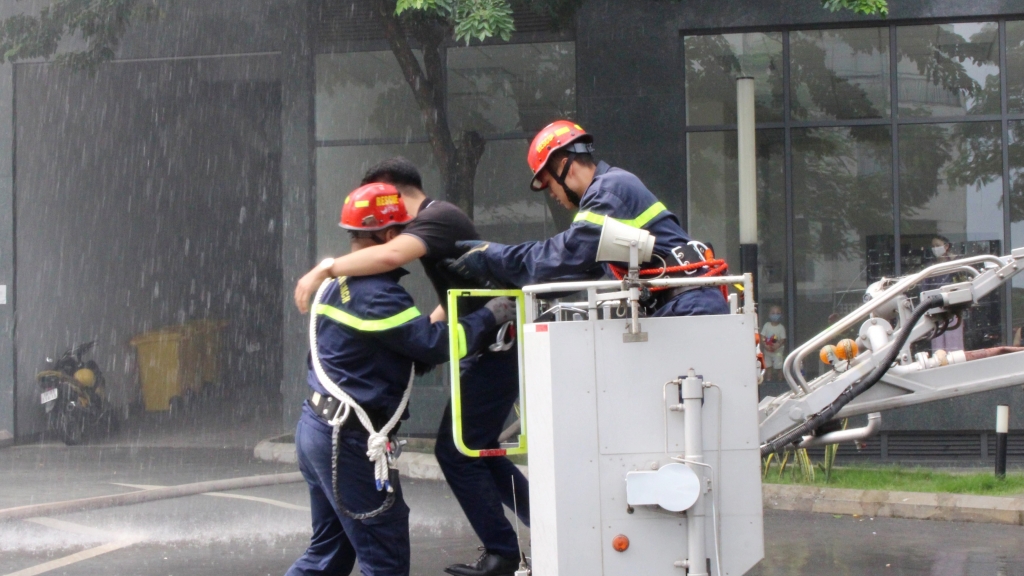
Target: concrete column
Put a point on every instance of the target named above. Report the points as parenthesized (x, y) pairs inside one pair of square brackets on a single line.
[(7, 371), (298, 243)]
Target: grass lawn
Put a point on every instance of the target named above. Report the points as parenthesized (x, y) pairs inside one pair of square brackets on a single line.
[(905, 479)]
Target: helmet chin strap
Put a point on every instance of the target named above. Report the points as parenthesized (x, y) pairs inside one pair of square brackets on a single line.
[(560, 178)]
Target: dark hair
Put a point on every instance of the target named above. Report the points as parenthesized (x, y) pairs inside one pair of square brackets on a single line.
[(363, 234), (943, 238), (396, 171)]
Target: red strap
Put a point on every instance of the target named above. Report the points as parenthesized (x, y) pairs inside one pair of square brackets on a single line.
[(715, 268)]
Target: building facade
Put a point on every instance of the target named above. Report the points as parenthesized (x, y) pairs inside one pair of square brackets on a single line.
[(205, 167)]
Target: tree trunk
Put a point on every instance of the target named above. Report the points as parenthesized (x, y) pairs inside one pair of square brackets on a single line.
[(457, 161), (462, 172)]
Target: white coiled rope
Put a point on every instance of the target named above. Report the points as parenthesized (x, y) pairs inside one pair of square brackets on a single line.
[(377, 444)]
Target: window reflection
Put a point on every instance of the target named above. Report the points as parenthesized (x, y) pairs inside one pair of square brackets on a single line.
[(842, 210), (951, 188), (1016, 150), (840, 74), (714, 62), (506, 210), (511, 88), (1015, 66), (713, 196), (948, 69), (363, 95)]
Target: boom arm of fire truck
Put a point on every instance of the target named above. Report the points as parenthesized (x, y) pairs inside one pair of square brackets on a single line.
[(885, 374)]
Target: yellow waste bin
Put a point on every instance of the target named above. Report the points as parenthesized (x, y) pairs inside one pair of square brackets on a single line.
[(177, 361), (158, 357)]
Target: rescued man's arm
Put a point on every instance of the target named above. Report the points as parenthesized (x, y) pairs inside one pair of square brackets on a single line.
[(374, 260), (425, 341)]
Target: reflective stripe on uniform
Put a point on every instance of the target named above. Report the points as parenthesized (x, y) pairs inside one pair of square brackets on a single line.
[(638, 222), (463, 347), (344, 318)]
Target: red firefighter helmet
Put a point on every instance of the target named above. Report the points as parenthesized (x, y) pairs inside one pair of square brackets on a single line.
[(559, 135), (373, 207)]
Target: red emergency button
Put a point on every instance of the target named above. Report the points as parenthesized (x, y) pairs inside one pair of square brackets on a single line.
[(620, 543)]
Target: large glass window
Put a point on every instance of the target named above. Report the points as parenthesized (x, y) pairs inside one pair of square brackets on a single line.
[(714, 62), (835, 166)]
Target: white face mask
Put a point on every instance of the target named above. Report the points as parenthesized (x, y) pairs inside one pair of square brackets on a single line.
[(939, 251)]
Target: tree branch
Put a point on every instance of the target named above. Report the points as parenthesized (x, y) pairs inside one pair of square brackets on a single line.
[(425, 89)]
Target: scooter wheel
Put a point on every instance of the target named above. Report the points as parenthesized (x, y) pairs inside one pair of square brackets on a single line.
[(70, 428)]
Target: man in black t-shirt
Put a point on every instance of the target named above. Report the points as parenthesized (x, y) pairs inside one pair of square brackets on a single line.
[(490, 381)]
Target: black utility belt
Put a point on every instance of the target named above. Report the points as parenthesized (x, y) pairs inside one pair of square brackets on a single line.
[(326, 407)]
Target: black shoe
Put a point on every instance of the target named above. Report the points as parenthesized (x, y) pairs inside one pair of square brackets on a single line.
[(487, 565)]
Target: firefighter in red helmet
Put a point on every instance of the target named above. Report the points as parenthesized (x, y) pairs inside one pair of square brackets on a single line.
[(483, 487), (366, 338), (561, 159)]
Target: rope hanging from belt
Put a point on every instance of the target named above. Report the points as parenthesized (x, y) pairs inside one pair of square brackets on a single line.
[(376, 444), (715, 268)]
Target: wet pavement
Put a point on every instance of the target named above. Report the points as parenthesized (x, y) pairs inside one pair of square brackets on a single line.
[(262, 530)]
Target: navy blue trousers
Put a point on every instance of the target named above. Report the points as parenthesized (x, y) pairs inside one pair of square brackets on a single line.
[(490, 386), (702, 302), (381, 543)]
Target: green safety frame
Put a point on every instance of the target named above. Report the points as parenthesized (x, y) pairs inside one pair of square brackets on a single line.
[(456, 344)]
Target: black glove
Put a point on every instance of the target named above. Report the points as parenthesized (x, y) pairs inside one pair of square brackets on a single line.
[(503, 309), (472, 265)]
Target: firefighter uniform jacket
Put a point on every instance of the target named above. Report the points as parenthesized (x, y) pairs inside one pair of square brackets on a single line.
[(571, 255), (369, 333)]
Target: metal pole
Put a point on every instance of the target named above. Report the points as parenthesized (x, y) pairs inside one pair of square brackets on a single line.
[(746, 126), (1002, 429), (693, 398)]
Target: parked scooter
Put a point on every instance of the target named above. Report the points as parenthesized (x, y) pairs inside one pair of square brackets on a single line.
[(72, 393)]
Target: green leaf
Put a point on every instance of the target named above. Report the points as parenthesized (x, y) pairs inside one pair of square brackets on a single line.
[(483, 19), (866, 7), (433, 7)]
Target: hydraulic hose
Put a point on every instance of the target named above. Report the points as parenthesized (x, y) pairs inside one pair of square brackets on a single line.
[(858, 388)]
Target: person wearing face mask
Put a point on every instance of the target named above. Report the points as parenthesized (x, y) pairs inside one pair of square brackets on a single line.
[(942, 249), (952, 338), (773, 340), (561, 159)]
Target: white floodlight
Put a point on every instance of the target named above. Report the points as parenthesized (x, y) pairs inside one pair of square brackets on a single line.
[(617, 240)]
